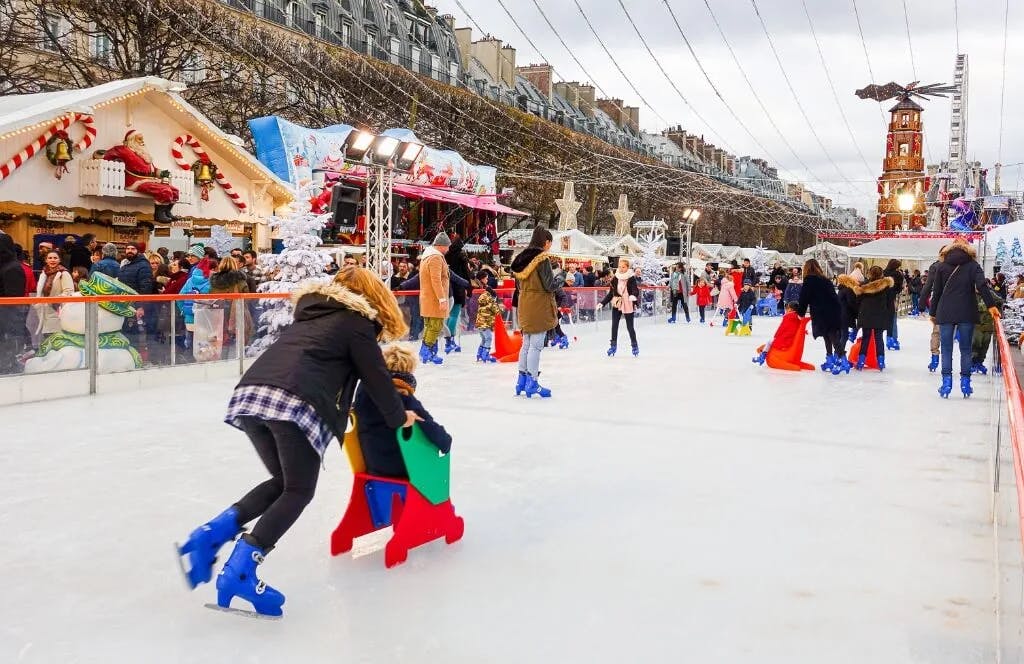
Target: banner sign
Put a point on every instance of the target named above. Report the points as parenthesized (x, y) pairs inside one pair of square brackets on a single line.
[(61, 214), (234, 227), (294, 152), (184, 224), (124, 220)]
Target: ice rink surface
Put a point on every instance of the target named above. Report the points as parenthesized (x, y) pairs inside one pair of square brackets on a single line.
[(683, 506)]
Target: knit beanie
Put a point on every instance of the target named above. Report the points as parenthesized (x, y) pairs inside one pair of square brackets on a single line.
[(197, 251), (442, 240), (110, 250)]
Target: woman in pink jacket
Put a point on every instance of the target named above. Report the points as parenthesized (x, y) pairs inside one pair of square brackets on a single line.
[(726, 300)]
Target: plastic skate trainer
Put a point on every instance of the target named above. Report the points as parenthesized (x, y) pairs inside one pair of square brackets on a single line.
[(420, 509), (870, 358), (506, 346), (790, 359)]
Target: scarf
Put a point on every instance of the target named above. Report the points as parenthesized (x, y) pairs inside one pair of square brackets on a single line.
[(405, 383), (51, 276)]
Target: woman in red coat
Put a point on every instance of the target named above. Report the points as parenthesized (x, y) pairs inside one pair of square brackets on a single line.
[(703, 292)]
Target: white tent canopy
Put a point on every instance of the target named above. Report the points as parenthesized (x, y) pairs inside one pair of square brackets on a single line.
[(913, 249), (1006, 232)]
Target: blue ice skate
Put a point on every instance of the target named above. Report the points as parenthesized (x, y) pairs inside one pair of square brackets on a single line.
[(671, 320), (829, 362), (238, 579), (840, 365), (946, 387), (760, 358), (204, 542), (933, 364), (563, 342), (965, 386), (881, 364), (533, 387), (853, 335), (450, 346), (861, 361), (611, 351), (636, 351)]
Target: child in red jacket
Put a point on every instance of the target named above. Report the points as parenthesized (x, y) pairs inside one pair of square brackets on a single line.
[(703, 292), (785, 335)]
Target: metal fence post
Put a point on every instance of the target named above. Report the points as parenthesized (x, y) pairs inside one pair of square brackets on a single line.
[(239, 306), (92, 342), (174, 338)]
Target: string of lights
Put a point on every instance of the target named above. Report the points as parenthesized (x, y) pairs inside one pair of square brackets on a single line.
[(832, 86), (867, 56)]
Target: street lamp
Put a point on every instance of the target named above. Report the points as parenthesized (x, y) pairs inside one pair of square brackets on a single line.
[(905, 201), (690, 217)]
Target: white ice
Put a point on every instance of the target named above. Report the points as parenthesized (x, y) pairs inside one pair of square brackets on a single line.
[(683, 506)]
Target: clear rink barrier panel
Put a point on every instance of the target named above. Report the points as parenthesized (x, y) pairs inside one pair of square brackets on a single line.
[(100, 334)]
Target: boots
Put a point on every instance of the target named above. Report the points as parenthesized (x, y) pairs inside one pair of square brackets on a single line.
[(204, 542), (162, 213), (840, 365), (965, 386), (428, 354), (238, 579), (611, 350), (934, 364), (533, 387), (946, 387), (521, 382)]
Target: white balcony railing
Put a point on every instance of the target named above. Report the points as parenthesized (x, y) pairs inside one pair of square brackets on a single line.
[(106, 178)]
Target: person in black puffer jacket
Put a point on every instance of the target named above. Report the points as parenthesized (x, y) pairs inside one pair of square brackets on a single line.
[(848, 308), (377, 439), (291, 403), (954, 308), (818, 295), (892, 270), (12, 319), (873, 314)]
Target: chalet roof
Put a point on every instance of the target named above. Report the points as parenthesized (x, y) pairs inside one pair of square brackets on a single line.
[(20, 112)]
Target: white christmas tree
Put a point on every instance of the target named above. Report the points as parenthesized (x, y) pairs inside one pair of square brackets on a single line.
[(298, 263), (1001, 252), (651, 238), (760, 263), (1015, 252), (221, 240)]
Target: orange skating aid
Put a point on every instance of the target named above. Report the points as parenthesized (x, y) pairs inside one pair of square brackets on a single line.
[(506, 346), (790, 359), (871, 361)]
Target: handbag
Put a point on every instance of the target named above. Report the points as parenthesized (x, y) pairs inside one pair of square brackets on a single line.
[(617, 302)]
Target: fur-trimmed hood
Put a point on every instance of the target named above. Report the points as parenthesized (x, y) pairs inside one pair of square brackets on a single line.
[(848, 281), (875, 287), (959, 253), (526, 262), (321, 298), (229, 281)]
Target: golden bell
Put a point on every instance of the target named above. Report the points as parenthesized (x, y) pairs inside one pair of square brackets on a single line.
[(62, 153), (204, 173)]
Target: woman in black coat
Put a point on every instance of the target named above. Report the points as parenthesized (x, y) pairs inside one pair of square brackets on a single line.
[(954, 308), (819, 295), (291, 403), (873, 315), (892, 270)]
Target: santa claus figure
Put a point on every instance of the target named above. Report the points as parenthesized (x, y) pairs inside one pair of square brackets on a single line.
[(140, 175)]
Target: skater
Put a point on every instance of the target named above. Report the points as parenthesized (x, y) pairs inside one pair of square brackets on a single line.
[(818, 295), (488, 308), (623, 294), (680, 290), (726, 299), (785, 334), (746, 302), (982, 338), (537, 312), (873, 314), (703, 292), (955, 310), (434, 298), (378, 439), (848, 309), (292, 401), (914, 285), (926, 296), (892, 270), (858, 273)]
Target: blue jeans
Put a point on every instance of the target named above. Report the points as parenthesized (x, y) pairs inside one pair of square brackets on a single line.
[(946, 331), (893, 332), (486, 337), (529, 356)]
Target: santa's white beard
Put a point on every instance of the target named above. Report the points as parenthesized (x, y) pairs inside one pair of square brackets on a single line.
[(140, 150)]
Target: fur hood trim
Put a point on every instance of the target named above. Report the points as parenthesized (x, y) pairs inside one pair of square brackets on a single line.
[(531, 266), (875, 287), (848, 281), (338, 293)]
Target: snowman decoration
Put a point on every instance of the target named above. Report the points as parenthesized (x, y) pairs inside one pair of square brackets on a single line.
[(66, 349)]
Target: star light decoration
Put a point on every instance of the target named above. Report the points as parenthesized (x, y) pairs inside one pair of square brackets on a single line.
[(623, 216), (567, 206)]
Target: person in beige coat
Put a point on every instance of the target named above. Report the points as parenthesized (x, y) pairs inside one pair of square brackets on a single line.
[(434, 300), (55, 281)]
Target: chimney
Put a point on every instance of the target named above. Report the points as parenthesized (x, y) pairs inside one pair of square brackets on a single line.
[(539, 75), (464, 38), (613, 108), (633, 117), (586, 97), (507, 61)]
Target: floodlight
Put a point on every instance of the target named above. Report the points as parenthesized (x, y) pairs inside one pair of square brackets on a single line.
[(357, 143), (408, 153), (383, 149)]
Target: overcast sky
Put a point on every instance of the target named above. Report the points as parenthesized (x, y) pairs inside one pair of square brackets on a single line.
[(933, 32)]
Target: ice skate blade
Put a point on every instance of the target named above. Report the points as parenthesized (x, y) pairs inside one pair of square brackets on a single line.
[(242, 612)]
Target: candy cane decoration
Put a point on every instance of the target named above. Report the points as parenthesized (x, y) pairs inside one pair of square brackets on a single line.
[(30, 151), (179, 159)]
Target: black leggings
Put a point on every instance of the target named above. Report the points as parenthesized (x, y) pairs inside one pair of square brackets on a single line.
[(879, 341), (679, 298), (294, 467), (834, 343), (616, 317)]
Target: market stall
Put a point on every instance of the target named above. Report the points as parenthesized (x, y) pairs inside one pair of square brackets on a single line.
[(126, 161)]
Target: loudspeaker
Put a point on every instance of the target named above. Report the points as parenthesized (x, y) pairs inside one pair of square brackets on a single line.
[(345, 205), (673, 246)]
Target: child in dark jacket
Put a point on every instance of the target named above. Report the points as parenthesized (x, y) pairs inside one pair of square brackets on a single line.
[(746, 302), (785, 335), (378, 441)]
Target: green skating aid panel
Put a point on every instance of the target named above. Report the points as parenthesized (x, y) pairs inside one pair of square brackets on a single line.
[(429, 470)]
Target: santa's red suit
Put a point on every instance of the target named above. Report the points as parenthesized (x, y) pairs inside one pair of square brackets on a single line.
[(140, 175)]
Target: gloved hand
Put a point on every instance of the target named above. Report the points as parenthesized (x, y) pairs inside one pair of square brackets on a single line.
[(600, 306), (995, 313)]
